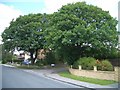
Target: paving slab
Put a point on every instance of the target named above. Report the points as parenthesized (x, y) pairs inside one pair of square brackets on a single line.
[(79, 83), (50, 73)]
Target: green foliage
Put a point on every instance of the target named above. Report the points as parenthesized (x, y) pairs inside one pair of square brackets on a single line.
[(41, 62), (17, 61), (114, 53), (67, 54), (76, 65), (87, 63), (106, 66), (25, 33), (4, 61), (77, 31), (14, 58), (50, 58), (6, 56), (0, 52), (9, 57)]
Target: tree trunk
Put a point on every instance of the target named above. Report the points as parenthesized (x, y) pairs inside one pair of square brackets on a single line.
[(31, 56), (36, 54)]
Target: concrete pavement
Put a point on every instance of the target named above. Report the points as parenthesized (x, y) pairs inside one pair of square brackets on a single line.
[(79, 83), (52, 73)]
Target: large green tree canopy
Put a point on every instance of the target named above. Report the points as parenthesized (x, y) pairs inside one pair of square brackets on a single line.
[(25, 33), (79, 29), (76, 30)]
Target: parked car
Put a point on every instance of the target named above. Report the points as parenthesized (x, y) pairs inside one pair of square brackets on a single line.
[(26, 62)]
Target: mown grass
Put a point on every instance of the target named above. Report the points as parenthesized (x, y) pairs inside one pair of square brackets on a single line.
[(85, 79)]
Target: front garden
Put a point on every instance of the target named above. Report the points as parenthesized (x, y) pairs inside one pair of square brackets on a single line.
[(92, 68), (86, 79)]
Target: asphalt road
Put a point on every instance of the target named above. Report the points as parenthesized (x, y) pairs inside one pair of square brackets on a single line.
[(17, 78)]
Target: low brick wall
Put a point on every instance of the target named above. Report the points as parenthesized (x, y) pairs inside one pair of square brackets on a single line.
[(107, 75)]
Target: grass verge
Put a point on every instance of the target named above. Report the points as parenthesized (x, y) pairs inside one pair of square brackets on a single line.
[(28, 67), (85, 79)]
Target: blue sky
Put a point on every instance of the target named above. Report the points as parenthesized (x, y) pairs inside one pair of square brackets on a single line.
[(27, 7), (11, 9), (49, 6)]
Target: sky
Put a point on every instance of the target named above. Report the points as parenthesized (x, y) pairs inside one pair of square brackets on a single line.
[(11, 9)]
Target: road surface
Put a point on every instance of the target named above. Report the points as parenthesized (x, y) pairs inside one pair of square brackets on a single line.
[(17, 78)]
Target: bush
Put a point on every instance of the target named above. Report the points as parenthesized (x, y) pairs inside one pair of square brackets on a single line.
[(40, 62), (75, 65), (17, 61), (98, 64), (4, 61), (7, 57), (106, 66), (87, 63)]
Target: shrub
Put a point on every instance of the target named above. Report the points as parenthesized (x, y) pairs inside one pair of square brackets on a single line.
[(4, 61), (17, 61), (75, 65), (106, 66), (86, 63), (99, 65), (40, 62), (7, 57)]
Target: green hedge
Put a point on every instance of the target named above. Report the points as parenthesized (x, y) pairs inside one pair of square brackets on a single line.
[(41, 62), (87, 63), (106, 65)]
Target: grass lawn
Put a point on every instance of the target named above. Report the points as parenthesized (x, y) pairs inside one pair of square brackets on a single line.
[(39, 67), (85, 79), (28, 67)]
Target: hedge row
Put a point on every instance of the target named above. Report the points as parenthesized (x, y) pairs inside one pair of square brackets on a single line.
[(87, 63)]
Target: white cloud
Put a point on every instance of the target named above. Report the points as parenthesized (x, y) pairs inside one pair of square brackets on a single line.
[(7, 13), (108, 5), (20, 0), (53, 5)]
